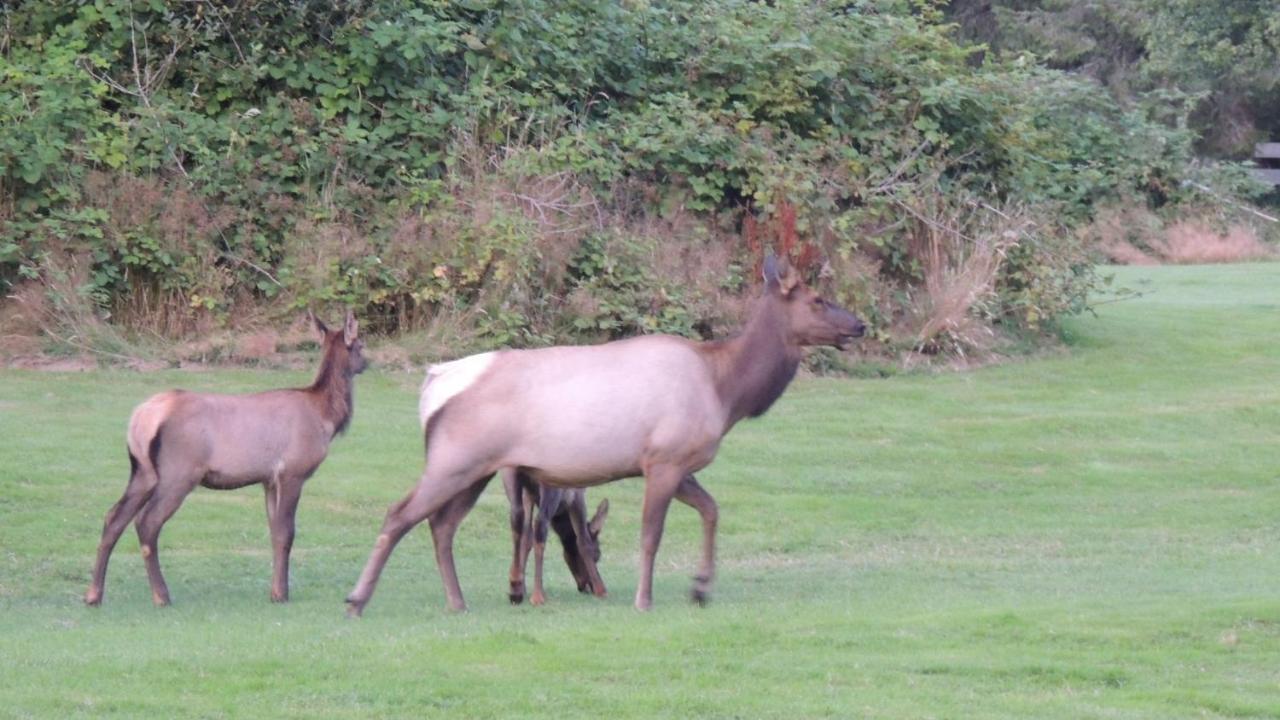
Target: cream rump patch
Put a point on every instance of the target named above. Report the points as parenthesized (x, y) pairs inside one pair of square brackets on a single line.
[(449, 379)]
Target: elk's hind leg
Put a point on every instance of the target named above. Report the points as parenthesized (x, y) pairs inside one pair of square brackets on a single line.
[(164, 502), (430, 494), (692, 494), (136, 494), (444, 524)]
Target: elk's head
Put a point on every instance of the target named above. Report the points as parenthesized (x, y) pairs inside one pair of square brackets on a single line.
[(810, 318), (343, 347)]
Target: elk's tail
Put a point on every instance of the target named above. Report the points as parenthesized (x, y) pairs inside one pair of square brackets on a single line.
[(143, 436), (446, 380)]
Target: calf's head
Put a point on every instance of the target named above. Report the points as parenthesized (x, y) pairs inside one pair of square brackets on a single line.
[(580, 575), (343, 347)]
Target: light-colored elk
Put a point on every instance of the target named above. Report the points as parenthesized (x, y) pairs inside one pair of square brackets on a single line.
[(178, 440), (655, 406)]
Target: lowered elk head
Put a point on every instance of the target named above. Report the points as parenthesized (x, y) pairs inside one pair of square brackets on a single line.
[(592, 543)]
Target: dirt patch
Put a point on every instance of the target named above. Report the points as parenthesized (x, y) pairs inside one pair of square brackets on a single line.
[(53, 364)]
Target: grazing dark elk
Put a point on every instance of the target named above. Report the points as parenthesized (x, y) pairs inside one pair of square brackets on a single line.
[(654, 405), (178, 440), (565, 510)]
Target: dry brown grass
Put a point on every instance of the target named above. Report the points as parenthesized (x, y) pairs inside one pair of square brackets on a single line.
[(1136, 236), (1190, 242), (1121, 252)]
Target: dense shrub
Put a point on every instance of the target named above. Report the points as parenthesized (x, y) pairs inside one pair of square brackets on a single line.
[(530, 166)]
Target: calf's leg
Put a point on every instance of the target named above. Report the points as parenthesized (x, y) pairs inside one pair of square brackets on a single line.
[(548, 500), (515, 498)]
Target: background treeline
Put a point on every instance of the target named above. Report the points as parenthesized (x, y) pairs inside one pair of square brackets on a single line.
[(1223, 57), (524, 172)]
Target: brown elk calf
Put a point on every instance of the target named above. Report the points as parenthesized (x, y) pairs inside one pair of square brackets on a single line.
[(655, 405), (565, 510), (178, 440)]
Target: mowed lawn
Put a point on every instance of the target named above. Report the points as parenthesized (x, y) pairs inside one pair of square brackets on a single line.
[(1094, 533)]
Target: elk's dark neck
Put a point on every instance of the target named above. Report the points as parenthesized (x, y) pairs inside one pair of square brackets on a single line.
[(756, 366), (332, 390)]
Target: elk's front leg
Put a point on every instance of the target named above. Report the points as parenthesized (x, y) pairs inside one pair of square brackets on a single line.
[(660, 482), (692, 494), (282, 511)]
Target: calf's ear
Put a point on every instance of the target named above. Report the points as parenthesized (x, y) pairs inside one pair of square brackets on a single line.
[(349, 330), (597, 522), (319, 325)]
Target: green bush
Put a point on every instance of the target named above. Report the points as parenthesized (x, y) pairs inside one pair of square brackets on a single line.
[(378, 154)]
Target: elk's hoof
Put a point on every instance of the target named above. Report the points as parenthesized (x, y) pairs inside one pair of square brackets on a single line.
[(160, 599), (93, 597), (515, 598), (701, 591), (538, 599), (355, 608)]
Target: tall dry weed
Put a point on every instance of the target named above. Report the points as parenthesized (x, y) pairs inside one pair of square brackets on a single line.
[(961, 254)]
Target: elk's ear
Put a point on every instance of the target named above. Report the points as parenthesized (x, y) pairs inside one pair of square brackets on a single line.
[(350, 331), (597, 522), (320, 327), (771, 277), (788, 278)]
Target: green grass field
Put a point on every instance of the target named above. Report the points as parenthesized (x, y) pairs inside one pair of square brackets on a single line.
[(1095, 533)]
